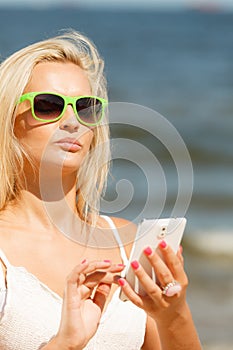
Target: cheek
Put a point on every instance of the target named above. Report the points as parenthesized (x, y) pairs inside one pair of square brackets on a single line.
[(33, 138)]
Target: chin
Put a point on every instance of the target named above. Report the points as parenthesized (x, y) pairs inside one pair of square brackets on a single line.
[(56, 162)]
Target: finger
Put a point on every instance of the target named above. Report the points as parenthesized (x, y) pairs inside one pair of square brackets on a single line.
[(173, 263), (78, 276), (162, 271), (116, 267), (97, 265), (105, 265), (77, 271), (151, 288), (100, 277), (129, 292), (180, 256), (88, 273), (72, 294), (101, 295), (80, 272)]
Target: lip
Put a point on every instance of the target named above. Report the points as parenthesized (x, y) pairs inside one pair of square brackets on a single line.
[(69, 144)]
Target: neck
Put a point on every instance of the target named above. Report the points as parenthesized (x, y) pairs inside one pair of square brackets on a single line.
[(47, 202)]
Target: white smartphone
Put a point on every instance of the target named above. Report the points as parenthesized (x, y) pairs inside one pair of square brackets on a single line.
[(151, 232)]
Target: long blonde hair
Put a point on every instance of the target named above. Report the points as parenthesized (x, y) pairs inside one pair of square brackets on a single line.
[(15, 73)]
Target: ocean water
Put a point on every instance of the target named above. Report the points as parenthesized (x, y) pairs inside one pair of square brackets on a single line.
[(176, 63), (179, 64)]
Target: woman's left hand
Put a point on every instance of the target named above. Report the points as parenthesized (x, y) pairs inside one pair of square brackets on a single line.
[(169, 270)]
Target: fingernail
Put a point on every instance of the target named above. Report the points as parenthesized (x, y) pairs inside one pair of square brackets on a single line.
[(181, 249), (83, 262), (121, 265), (148, 251), (135, 264), (107, 260), (121, 282), (162, 244)]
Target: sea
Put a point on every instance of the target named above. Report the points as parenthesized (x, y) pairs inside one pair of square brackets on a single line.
[(170, 84)]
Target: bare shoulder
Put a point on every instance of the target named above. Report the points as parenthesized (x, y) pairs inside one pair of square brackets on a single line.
[(123, 224)]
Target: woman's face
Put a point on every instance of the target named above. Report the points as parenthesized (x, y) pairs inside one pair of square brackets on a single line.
[(52, 143)]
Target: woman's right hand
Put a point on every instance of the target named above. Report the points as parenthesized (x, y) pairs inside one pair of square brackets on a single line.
[(85, 295)]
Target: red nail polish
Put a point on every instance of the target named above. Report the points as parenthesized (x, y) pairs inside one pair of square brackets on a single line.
[(83, 262), (107, 260), (148, 251), (121, 265), (135, 264), (163, 244), (121, 282)]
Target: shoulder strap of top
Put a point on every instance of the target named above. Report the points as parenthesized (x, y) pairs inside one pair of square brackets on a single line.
[(2, 281), (117, 238), (4, 259), (6, 263)]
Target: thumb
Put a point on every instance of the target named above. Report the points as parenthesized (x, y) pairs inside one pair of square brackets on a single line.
[(101, 294)]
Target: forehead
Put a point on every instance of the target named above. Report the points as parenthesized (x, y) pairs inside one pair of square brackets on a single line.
[(66, 78)]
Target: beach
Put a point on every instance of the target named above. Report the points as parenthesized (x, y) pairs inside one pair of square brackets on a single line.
[(180, 65)]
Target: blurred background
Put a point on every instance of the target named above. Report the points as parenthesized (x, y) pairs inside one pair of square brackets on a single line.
[(175, 57)]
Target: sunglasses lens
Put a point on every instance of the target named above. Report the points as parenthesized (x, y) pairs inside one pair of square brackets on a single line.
[(48, 106), (89, 110)]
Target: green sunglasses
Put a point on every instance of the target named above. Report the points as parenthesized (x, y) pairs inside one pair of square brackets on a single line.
[(49, 107)]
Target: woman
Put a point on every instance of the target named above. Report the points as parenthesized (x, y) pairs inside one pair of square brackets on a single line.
[(54, 162)]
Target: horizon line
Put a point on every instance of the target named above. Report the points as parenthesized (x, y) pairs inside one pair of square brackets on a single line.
[(202, 8)]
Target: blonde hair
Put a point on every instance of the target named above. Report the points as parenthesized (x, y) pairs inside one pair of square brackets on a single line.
[(15, 73)]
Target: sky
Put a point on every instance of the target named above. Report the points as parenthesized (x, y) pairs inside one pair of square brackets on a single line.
[(225, 4)]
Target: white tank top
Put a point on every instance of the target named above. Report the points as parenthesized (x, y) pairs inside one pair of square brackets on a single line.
[(31, 313)]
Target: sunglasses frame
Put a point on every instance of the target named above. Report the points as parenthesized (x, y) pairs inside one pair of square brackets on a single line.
[(68, 100)]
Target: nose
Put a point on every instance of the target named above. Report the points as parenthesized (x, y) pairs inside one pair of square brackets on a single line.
[(69, 121)]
